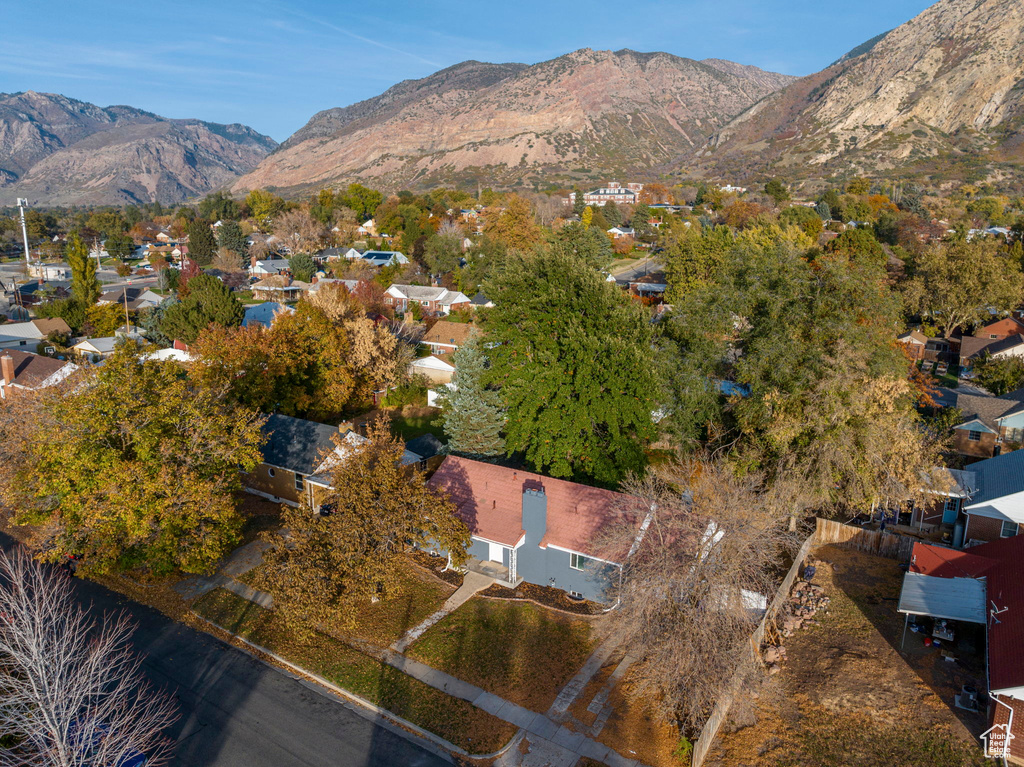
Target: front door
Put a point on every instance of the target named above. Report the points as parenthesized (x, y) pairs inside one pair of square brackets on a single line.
[(495, 552)]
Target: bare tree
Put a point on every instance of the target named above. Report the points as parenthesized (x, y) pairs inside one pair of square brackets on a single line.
[(71, 691), (697, 582)]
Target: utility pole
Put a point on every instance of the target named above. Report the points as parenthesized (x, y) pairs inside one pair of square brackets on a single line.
[(127, 322), (22, 203)]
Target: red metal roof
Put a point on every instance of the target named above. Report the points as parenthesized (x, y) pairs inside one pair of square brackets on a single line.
[(489, 500), (1001, 563)]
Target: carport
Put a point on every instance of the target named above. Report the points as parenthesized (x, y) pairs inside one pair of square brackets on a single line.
[(955, 599)]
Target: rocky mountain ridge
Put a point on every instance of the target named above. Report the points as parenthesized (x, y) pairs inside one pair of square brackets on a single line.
[(588, 113), (56, 150)]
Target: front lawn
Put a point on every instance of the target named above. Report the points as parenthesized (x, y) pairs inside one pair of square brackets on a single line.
[(454, 720), (517, 650)]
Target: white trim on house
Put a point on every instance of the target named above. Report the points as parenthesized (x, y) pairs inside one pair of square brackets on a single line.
[(581, 554)]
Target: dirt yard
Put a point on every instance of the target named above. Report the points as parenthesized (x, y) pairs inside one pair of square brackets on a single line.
[(846, 695)]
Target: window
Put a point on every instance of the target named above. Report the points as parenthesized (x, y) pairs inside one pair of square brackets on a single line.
[(1009, 529), (299, 482), (578, 561), (575, 595), (270, 471), (974, 436)]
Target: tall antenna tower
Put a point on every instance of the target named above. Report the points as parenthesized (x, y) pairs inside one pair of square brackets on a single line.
[(22, 204)]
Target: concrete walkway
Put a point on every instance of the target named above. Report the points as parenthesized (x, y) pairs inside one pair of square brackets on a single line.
[(240, 561), (555, 744), (473, 583)]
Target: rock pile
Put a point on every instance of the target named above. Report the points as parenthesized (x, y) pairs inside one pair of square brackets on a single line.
[(803, 604)]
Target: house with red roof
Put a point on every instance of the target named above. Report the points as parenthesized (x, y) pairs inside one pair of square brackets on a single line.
[(544, 531), (980, 585)]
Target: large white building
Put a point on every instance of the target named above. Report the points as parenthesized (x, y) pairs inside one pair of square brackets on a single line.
[(613, 191)]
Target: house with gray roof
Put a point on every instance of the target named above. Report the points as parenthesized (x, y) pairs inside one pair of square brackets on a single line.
[(380, 258), (436, 300), (995, 508), (989, 425), (973, 349)]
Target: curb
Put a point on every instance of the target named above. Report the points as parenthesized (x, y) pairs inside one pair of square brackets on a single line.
[(437, 740)]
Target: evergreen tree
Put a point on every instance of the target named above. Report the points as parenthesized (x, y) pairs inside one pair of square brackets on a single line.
[(208, 301), (230, 236), (302, 267), (119, 245), (641, 223), (85, 288), (588, 243), (612, 214), (572, 358), (472, 414), (578, 204), (201, 243)]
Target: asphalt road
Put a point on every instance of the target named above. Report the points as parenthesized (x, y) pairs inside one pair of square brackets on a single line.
[(238, 712)]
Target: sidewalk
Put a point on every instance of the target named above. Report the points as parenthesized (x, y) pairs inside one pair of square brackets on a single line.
[(240, 561)]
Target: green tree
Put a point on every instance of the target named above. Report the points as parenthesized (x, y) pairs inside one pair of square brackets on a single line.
[(1000, 374), (515, 227), (578, 203), (362, 200), (776, 189), (641, 223), (472, 414), (957, 282), (442, 253), (130, 465), (230, 236), (85, 288), (327, 568), (201, 243), (855, 243), (571, 356), (302, 267), (612, 214), (218, 206), (208, 301), (120, 246), (263, 206), (695, 258), (586, 242), (107, 222)]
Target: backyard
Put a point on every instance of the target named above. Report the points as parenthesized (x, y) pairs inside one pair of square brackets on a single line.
[(847, 695)]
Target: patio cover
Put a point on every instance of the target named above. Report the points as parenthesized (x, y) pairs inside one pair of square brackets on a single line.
[(958, 599)]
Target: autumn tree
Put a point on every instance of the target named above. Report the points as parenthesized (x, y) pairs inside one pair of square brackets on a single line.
[(85, 288), (208, 301), (327, 567), (202, 245), (712, 545), (263, 206), (471, 413), (362, 201), (514, 227), (127, 465), (571, 358), (72, 690), (956, 283)]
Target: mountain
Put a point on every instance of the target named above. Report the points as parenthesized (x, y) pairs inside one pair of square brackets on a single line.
[(946, 87), (585, 115), (55, 150)]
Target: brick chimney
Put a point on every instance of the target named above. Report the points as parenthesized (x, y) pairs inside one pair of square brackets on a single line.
[(252, 261), (7, 368)]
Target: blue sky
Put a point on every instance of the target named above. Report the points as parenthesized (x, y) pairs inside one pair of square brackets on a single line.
[(272, 64)]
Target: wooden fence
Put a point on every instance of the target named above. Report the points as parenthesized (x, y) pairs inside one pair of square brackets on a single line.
[(721, 710), (827, 531), (871, 541)]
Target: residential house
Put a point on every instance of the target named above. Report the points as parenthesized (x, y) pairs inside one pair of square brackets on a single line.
[(268, 268), (995, 505), (990, 425), (167, 355), (914, 342), (947, 491), (137, 298), (612, 192), (40, 292), (96, 349), (446, 337), (526, 527), (619, 232), (264, 314), (338, 254), (979, 590), (1004, 328), (381, 258), (27, 371), (973, 349), (434, 369), (31, 333), (57, 272), (279, 288), (367, 229), (296, 459), (429, 451), (433, 300), (649, 285), (480, 300)]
